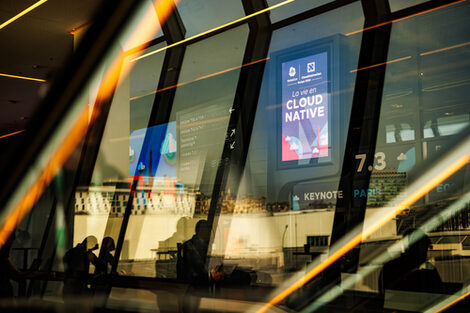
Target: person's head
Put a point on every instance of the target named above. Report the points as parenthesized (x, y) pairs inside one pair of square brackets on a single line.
[(90, 243), (108, 244), (202, 228)]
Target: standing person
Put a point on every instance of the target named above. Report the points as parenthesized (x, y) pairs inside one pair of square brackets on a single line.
[(77, 266), (195, 271)]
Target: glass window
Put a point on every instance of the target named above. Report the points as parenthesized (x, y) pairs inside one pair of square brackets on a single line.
[(282, 215), (448, 124), (396, 5), (292, 8), (183, 153), (159, 189), (399, 132), (423, 100), (201, 15)]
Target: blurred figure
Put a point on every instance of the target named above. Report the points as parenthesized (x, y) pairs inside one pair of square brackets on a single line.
[(77, 266), (411, 271), (104, 265), (105, 258), (7, 270), (195, 271), (167, 300)]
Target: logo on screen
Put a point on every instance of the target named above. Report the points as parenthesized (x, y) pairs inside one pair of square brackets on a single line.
[(311, 67), (292, 71)]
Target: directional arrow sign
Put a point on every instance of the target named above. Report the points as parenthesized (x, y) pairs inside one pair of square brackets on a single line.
[(233, 132), (232, 145)]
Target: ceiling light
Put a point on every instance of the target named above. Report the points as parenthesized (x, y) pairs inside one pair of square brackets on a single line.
[(11, 134), (14, 18), (22, 77)]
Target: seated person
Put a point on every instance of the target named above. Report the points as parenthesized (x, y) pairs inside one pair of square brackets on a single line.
[(411, 271)]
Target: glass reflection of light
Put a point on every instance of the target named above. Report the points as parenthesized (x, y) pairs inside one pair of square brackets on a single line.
[(443, 169)]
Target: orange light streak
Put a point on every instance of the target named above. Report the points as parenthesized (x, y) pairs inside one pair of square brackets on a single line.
[(403, 18), (78, 129), (369, 230), (446, 48), (380, 64), (12, 134), (55, 163), (200, 78), (453, 302)]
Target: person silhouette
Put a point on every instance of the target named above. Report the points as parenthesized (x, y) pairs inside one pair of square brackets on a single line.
[(105, 259), (411, 271), (7, 270), (103, 267), (77, 266), (195, 271)]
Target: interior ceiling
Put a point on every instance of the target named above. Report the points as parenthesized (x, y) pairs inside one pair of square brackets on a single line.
[(36, 45)]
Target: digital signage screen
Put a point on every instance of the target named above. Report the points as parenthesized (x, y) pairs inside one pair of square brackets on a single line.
[(158, 158), (305, 108)]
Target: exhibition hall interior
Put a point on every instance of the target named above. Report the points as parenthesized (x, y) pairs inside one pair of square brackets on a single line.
[(235, 156)]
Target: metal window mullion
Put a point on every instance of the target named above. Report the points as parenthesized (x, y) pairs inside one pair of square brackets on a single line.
[(244, 109), (362, 130), (173, 31)]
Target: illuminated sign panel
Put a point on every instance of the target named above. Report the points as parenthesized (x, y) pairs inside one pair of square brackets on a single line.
[(305, 106), (158, 157)]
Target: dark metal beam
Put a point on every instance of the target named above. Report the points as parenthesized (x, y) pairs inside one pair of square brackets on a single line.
[(173, 30), (362, 131), (244, 109)]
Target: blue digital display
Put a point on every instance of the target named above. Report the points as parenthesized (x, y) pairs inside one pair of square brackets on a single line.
[(305, 104), (159, 156)]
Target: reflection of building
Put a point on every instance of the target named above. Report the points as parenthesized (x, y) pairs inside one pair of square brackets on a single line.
[(165, 197), (241, 205), (387, 185)]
